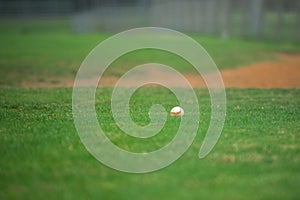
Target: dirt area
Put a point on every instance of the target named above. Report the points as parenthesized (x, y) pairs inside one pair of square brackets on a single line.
[(283, 73)]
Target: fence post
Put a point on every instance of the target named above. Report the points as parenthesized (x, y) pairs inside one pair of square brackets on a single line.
[(297, 24), (279, 24), (257, 17), (210, 16), (225, 18)]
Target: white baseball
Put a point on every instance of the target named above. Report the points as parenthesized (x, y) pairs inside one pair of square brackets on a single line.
[(177, 111)]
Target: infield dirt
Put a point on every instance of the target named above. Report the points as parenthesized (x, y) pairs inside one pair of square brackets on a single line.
[(282, 73)]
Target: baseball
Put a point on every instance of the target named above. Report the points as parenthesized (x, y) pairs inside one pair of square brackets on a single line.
[(177, 111)]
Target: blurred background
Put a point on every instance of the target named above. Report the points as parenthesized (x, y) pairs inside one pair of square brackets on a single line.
[(43, 42), (224, 18)]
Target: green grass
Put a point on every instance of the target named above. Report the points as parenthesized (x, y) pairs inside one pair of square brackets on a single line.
[(257, 156), (36, 50)]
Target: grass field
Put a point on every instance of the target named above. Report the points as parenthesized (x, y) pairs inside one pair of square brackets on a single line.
[(38, 50), (257, 156)]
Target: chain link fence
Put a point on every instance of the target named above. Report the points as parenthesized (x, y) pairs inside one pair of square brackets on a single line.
[(279, 19)]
